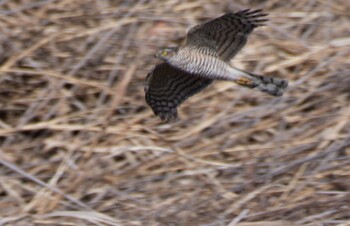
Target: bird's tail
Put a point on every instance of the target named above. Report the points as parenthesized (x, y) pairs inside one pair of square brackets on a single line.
[(272, 86)]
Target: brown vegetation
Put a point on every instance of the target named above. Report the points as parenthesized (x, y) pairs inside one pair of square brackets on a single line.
[(79, 146)]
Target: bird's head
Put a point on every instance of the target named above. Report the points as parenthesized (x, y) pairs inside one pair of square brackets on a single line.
[(167, 53)]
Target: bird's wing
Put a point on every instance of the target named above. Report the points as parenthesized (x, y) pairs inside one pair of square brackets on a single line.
[(167, 87), (225, 36)]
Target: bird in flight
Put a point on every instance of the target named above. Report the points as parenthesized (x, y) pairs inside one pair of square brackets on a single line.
[(203, 58)]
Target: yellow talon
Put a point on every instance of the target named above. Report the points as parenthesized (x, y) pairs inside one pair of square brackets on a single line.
[(244, 81)]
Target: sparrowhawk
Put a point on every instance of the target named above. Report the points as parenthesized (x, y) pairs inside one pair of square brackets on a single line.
[(205, 57)]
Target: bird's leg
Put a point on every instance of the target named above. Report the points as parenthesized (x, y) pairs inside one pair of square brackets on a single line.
[(240, 77), (272, 86), (244, 81)]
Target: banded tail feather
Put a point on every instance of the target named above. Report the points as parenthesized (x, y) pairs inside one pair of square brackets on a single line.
[(269, 85)]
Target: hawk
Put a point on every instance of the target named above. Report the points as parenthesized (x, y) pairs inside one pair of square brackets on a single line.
[(203, 58)]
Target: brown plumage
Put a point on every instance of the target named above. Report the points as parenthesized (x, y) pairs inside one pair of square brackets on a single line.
[(205, 57), (225, 36), (167, 87)]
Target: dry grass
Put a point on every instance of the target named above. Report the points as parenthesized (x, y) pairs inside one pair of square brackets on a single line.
[(79, 146)]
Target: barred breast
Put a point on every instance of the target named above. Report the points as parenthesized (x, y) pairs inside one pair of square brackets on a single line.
[(202, 62)]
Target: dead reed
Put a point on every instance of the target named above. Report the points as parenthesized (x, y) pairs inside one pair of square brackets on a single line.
[(79, 146)]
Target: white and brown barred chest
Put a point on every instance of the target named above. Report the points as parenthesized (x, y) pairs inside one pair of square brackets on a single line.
[(200, 61)]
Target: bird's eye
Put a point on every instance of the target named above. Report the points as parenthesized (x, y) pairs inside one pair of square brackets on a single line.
[(164, 52)]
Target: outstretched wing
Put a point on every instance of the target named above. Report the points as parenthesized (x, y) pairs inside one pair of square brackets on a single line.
[(167, 87), (225, 36)]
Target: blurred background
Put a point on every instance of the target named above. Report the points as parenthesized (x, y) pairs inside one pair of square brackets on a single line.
[(79, 145)]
